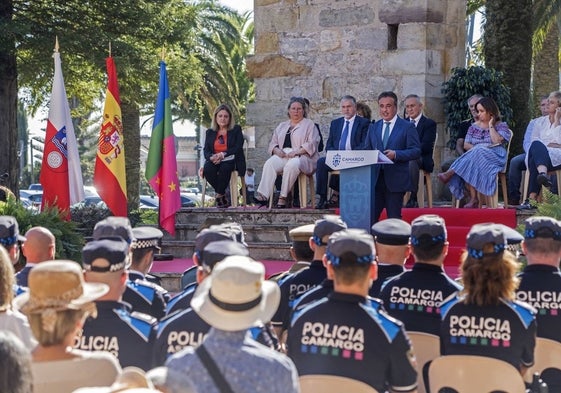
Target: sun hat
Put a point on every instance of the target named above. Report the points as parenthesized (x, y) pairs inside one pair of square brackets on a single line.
[(236, 296), (55, 286), (131, 379)]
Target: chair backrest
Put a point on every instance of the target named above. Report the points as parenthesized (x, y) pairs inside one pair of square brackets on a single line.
[(474, 374), (426, 348), (333, 384), (547, 354), (507, 150)]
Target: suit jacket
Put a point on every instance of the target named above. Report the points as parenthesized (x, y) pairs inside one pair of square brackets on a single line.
[(234, 146), (358, 133), (427, 136), (404, 140), (22, 276)]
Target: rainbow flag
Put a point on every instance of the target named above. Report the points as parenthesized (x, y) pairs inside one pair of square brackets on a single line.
[(109, 175), (61, 174), (161, 165)]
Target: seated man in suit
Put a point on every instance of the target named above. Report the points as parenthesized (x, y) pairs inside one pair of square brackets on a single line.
[(345, 133), (427, 136), (399, 141)]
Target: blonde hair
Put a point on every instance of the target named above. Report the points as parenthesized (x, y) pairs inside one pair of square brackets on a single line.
[(489, 279), (222, 107), (7, 280), (64, 323)]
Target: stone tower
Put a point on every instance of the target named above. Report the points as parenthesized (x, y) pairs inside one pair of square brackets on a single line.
[(324, 49)]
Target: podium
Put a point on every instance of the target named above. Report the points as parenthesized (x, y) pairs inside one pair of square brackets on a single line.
[(358, 174)]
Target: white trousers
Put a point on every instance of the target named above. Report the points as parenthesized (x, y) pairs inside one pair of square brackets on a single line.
[(289, 167)]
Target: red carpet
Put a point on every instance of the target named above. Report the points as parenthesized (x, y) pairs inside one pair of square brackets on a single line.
[(458, 224)]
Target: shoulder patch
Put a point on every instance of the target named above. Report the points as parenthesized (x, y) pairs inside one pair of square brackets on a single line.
[(448, 303), (526, 312), (389, 325)]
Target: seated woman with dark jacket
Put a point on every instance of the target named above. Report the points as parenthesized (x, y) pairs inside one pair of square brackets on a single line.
[(223, 150)]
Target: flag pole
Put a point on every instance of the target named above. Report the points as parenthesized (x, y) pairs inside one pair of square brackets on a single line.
[(56, 44), (164, 53), (109, 48)]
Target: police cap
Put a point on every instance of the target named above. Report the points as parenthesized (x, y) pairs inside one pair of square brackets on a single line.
[(326, 227), (9, 231), (303, 233), (544, 227), (114, 226), (105, 255), (217, 251), (354, 241), (147, 237), (481, 235), (391, 231), (428, 229), (236, 229), (211, 234)]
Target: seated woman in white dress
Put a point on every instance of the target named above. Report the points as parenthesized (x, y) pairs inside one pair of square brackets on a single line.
[(293, 149), (545, 151), (485, 144)]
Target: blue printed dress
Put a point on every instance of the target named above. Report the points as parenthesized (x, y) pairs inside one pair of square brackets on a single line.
[(479, 165)]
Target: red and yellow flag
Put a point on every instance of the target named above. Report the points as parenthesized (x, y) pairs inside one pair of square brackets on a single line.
[(109, 175)]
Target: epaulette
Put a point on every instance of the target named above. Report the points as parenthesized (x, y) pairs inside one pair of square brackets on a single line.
[(144, 317)]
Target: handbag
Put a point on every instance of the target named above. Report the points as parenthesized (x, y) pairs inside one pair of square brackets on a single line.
[(213, 370)]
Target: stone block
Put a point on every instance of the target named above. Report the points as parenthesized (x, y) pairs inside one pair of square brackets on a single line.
[(260, 3), (368, 38), (299, 44), (270, 66), (350, 16), (412, 36), (403, 62), (278, 19), (267, 43), (411, 11), (329, 40)]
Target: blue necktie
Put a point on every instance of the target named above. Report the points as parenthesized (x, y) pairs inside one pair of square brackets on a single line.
[(386, 134), (344, 136)]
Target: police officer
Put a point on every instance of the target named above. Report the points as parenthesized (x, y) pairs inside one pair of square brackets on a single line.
[(414, 296), (147, 240), (214, 233), (391, 237), (184, 328), (143, 296), (304, 280), (10, 238), (300, 251), (344, 334), (540, 282), (486, 320), (128, 335)]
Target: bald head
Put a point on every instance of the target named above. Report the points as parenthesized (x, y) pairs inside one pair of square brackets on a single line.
[(39, 246)]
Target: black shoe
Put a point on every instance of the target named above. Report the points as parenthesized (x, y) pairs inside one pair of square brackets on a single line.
[(513, 201), (258, 199), (543, 180), (333, 201), (525, 206), (411, 203), (322, 203)]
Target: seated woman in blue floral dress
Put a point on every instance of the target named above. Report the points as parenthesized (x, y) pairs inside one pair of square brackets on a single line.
[(486, 142)]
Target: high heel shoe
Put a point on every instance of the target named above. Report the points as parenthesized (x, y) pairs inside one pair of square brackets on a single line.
[(283, 204), (260, 199), (474, 203), (445, 177)]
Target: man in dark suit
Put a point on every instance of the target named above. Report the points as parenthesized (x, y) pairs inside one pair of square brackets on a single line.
[(399, 141), (345, 133), (427, 136)]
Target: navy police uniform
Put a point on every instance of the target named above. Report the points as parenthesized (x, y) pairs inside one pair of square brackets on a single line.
[(300, 250), (349, 335), (214, 233), (145, 297), (298, 283), (506, 331), (391, 232), (185, 328), (414, 297), (128, 335)]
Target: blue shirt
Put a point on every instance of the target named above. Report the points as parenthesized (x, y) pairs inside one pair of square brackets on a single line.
[(247, 365)]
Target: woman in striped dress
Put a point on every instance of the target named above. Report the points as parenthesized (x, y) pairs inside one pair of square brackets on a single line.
[(485, 145)]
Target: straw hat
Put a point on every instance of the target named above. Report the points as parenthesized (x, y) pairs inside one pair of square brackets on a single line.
[(58, 285), (131, 379), (236, 295)]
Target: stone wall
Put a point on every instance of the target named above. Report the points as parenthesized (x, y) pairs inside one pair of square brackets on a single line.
[(323, 49)]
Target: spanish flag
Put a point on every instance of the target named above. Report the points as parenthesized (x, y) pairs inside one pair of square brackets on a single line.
[(161, 164), (61, 175), (109, 174)]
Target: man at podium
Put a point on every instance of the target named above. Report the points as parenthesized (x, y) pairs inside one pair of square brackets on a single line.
[(399, 141)]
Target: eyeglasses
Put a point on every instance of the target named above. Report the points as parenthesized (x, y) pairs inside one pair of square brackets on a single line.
[(220, 139)]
